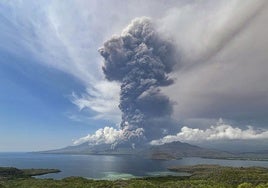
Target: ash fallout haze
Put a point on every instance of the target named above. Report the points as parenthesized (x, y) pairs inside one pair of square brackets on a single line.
[(133, 73)]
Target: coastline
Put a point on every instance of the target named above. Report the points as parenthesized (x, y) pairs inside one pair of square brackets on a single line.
[(198, 175)]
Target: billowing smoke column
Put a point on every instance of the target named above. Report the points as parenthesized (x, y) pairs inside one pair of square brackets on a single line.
[(140, 60)]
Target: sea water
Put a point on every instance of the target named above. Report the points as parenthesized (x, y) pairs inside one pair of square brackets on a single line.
[(109, 166)]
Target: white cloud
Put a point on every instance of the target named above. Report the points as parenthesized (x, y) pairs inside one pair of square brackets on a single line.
[(107, 135), (110, 135), (102, 98), (221, 131), (52, 39)]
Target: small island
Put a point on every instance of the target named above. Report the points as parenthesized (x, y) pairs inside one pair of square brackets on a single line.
[(11, 173)]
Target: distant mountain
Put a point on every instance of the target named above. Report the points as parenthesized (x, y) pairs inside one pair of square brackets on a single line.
[(176, 150), (172, 150), (102, 149)]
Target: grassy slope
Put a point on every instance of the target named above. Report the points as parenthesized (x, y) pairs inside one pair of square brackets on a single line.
[(202, 176)]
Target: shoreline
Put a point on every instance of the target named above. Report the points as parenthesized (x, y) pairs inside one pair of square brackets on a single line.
[(200, 176)]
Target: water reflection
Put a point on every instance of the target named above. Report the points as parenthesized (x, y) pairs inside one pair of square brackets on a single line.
[(108, 166)]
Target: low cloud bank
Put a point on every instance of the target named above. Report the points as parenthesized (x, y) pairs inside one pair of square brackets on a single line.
[(110, 135), (220, 131)]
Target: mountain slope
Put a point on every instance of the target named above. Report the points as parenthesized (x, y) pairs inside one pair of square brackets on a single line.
[(176, 150), (172, 150)]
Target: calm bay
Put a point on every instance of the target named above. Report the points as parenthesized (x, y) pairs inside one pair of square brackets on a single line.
[(108, 166)]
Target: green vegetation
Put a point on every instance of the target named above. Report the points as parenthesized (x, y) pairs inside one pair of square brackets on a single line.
[(202, 176)]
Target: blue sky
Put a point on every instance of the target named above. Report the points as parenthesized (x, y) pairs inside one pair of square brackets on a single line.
[(36, 106), (53, 90), (36, 110)]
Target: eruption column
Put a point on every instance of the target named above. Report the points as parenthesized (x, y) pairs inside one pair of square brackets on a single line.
[(140, 60)]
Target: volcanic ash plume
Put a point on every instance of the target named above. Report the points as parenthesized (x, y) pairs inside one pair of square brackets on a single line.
[(140, 60)]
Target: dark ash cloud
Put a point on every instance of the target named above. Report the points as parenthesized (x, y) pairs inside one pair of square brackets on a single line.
[(220, 71), (141, 60)]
